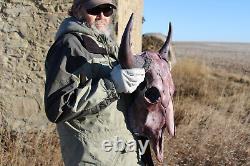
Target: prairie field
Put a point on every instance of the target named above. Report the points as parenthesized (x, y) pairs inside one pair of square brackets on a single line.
[(212, 112), (212, 104)]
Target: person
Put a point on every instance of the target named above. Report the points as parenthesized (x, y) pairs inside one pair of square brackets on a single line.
[(86, 91)]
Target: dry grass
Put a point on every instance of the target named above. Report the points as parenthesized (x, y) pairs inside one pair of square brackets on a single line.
[(212, 111), (198, 84), (29, 147), (151, 43)]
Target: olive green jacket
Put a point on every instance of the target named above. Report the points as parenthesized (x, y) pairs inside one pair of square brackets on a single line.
[(81, 98)]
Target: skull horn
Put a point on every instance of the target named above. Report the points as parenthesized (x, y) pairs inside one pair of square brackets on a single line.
[(125, 55), (165, 48)]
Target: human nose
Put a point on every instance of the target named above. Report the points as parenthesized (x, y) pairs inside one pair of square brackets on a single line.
[(100, 16)]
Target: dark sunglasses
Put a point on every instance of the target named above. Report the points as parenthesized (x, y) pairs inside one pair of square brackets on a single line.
[(106, 10)]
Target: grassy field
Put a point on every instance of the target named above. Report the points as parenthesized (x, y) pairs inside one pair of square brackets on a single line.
[(212, 109), (212, 114), (29, 147), (212, 104)]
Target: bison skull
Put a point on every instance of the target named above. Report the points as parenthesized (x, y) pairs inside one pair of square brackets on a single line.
[(152, 110)]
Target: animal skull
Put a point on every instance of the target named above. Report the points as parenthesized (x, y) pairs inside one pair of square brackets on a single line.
[(152, 110)]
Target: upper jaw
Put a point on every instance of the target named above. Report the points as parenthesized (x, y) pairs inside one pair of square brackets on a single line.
[(157, 144)]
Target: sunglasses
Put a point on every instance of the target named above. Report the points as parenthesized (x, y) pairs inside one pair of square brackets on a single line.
[(106, 10)]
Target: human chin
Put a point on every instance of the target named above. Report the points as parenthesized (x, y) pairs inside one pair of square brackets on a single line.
[(103, 29), (101, 26)]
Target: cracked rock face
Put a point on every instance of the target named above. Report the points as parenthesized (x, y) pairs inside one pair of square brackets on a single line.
[(27, 31)]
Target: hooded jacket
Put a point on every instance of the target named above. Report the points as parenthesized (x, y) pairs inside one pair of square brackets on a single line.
[(81, 98)]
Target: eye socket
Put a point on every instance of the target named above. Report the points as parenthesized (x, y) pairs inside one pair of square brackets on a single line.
[(152, 94)]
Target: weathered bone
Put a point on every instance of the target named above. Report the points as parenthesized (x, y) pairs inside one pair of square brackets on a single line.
[(152, 110)]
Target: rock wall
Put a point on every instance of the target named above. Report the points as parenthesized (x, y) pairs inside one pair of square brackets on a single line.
[(125, 8), (27, 29)]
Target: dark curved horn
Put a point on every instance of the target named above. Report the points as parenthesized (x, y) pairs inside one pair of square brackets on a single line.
[(165, 48), (125, 55)]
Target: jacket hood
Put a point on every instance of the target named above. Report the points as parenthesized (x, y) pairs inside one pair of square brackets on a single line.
[(71, 24)]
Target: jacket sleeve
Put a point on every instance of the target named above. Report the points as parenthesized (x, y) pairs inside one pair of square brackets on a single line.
[(73, 87)]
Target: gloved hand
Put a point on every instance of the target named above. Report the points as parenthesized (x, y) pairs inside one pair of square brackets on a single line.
[(127, 80)]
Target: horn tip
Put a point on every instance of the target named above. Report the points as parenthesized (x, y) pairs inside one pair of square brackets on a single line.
[(131, 17), (170, 26)]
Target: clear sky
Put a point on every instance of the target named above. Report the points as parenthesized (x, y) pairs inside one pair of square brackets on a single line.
[(199, 20)]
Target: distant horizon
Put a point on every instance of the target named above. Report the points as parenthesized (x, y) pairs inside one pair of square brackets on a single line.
[(199, 41), (224, 21)]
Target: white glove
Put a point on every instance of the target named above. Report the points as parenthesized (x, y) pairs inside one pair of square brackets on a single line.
[(127, 80)]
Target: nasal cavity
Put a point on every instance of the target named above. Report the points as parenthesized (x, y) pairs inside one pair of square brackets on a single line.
[(152, 94)]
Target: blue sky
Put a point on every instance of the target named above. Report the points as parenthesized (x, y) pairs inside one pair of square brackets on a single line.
[(199, 20)]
